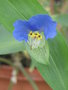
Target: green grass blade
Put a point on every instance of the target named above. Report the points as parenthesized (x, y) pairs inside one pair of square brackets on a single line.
[(11, 10), (55, 73), (8, 44), (62, 19)]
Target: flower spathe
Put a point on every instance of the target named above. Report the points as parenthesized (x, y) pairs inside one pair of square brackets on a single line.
[(38, 23)]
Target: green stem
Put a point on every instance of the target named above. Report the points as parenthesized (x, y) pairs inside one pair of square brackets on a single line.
[(28, 77), (6, 61), (10, 86)]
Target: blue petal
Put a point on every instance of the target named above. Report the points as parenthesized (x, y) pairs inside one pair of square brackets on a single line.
[(50, 30), (21, 30), (39, 21)]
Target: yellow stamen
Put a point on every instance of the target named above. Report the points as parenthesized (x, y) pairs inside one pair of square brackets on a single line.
[(39, 37), (36, 35), (33, 35), (30, 34)]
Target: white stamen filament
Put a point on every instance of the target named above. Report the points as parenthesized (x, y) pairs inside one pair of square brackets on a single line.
[(34, 40)]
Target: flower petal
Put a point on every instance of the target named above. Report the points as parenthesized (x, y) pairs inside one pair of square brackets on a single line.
[(50, 30), (21, 30), (38, 22)]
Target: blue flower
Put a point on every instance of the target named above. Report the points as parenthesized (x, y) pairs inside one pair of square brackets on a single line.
[(40, 23)]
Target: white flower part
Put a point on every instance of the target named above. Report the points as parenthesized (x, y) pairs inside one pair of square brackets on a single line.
[(14, 76), (14, 72), (14, 79), (34, 43)]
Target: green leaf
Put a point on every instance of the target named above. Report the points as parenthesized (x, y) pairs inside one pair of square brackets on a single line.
[(56, 73), (40, 54), (8, 44), (62, 19), (11, 10), (8, 14)]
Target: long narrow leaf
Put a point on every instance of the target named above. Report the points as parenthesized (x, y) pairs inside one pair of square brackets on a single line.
[(56, 72)]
